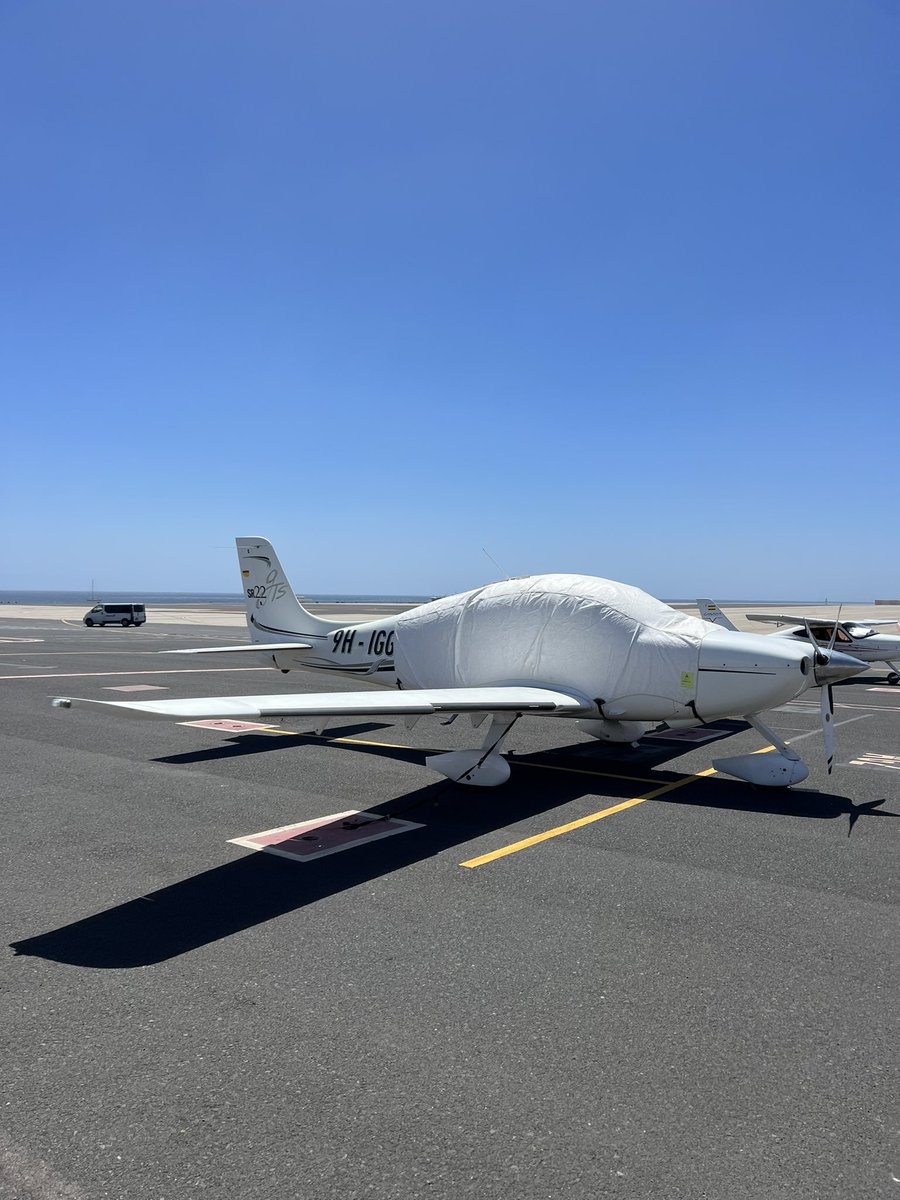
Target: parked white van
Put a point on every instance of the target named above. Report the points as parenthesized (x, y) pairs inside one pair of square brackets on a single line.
[(116, 614)]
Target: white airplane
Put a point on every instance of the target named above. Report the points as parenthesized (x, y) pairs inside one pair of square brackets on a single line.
[(608, 655), (857, 638)]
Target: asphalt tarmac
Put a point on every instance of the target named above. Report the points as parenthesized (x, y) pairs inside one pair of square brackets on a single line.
[(681, 986)]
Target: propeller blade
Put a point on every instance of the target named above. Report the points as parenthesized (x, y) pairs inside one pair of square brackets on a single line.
[(834, 631), (827, 704)]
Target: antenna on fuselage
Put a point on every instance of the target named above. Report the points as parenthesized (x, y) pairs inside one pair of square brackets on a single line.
[(505, 574)]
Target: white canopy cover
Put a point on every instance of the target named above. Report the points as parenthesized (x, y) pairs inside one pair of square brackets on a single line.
[(606, 639)]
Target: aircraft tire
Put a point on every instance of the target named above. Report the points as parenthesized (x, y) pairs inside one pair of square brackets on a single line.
[(893, 679)]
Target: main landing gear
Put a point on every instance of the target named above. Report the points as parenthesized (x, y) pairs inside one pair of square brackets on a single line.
[(480, 768)]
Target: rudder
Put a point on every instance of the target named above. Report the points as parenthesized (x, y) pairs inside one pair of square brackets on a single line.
[(711, 612), (272, 605)]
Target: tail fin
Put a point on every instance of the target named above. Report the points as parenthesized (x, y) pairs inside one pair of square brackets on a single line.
[(272, 606), (710, 611)]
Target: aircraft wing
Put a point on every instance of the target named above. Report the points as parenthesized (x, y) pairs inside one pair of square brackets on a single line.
[(416, 702), (253, 647), (786, 619)]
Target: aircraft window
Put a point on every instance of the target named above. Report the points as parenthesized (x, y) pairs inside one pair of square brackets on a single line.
[(822, 634), (860, 631)]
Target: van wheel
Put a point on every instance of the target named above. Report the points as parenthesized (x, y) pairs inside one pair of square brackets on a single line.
[(89, 623), (125, 624)]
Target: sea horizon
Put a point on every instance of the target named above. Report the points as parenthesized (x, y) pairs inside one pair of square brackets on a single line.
[(75, 596), (40, 596)]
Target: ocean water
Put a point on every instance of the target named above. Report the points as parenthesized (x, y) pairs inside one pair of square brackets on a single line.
[(29, 596), (212, 599)]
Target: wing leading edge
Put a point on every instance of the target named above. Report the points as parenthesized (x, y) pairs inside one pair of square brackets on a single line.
[(788, 619), (252, 648), (418, 702)]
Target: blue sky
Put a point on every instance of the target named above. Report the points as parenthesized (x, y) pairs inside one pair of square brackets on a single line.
[(610, 289)]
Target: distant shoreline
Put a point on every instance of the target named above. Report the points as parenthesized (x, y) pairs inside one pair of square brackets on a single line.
[(50, 599)]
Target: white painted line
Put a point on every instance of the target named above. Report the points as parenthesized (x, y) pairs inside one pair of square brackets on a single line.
[(813, 732), (109, 674), (19, 666), (895, 690), (136, 687), (884, 762)]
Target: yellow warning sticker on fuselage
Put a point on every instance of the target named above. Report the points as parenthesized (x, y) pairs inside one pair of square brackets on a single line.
[(687, 679)]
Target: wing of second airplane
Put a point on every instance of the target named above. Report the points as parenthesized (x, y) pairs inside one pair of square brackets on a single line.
[(787, 619), (417, 702)]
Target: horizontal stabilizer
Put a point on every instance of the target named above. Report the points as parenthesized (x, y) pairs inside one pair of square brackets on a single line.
[(422, 702), (254, 647)]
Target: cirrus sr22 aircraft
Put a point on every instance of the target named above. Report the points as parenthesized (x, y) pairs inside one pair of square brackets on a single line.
[(604, 654)]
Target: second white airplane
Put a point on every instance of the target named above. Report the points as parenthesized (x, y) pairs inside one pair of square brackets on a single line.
[(608, 655), (858, 638)]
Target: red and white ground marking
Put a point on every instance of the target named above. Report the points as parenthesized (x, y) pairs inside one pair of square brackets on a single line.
[(687, 735), (226, 724), (137, 687), (325, 835)]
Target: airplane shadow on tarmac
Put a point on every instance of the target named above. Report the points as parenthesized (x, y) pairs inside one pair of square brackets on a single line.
[(259, 887)]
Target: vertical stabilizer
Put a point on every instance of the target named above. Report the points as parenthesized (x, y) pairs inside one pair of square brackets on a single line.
[(273, 609), (710, 611)]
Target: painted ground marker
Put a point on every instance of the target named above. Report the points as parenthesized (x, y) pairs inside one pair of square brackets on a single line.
[(226, 724), (687, 735), (322, 836)]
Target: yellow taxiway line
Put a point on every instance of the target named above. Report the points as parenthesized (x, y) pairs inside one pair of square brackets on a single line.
[(482, 859), (615, 808), (515, 847)]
